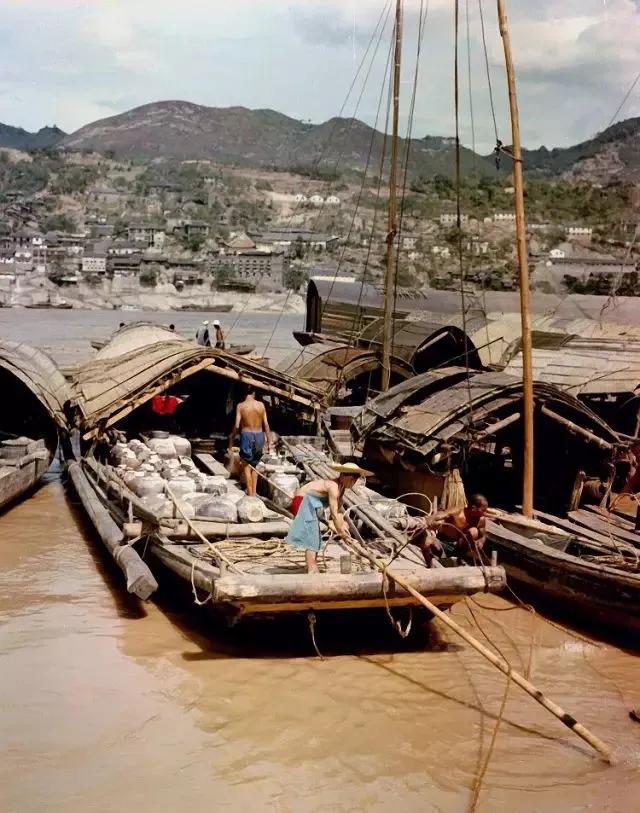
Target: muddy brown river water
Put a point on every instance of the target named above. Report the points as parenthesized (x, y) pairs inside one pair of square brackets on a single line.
[(107, 704)]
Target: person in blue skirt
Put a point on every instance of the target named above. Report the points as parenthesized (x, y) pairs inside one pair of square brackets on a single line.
[(309, 504)]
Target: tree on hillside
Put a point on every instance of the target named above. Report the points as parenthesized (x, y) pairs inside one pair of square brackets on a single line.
[(60, 222)]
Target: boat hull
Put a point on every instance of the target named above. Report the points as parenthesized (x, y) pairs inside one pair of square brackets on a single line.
[(584, 590), (15, 481), (252, 594)]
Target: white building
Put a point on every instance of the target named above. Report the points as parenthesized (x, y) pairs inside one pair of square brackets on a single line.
[(580, 233), (557, 254), (504, 217), (316, 200), (448, 219), (300, 198), (333, 200), (94, 265)]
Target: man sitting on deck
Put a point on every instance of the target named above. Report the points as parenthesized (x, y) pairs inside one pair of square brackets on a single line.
[(253, 425), (308, 506), (465, 527)]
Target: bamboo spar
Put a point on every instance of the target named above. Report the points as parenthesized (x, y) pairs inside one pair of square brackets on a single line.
[(389, 279), (595, 742), (523, 263)]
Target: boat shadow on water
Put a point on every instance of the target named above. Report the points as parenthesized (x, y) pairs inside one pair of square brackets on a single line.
[(337, 632), (125, 604)]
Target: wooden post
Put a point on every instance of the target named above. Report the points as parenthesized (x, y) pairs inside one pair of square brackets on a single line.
[(523, 264), (389, 279)]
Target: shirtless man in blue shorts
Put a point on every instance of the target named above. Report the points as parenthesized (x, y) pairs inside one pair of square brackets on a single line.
[(253, 426)]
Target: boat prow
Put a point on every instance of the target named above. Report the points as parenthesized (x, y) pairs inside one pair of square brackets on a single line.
[(34, 392)]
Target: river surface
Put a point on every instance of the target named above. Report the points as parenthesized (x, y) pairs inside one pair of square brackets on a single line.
[(110, 705)]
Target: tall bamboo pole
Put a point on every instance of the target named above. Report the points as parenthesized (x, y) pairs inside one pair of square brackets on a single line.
[(499, 662), (389, 280), (523, 263)]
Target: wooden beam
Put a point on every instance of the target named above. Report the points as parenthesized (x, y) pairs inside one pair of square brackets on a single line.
[(140, 579), (497, 426), (575, 429)]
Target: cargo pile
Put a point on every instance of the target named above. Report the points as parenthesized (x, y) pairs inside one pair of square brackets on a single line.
[(160, 469)]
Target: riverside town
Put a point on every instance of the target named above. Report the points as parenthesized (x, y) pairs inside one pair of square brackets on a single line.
[(320, 427)]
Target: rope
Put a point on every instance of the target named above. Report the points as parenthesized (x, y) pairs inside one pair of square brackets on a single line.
[(473, 126), (311, 617), (386, 9), (397, 625), (478, 783), (488, 71), (422, 20), (624, 101), (463, 304), (361, 190), (195, 592)]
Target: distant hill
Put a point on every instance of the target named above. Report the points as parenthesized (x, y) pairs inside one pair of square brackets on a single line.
[(264, 138), (18, 139), (614, 154)]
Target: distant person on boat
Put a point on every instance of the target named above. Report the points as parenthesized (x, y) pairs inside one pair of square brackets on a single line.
[(466, 527), (252, 425), (202, 334), (309, 504), (219, 335)]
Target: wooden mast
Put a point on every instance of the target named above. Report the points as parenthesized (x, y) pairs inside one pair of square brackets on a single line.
[(389, 280), (523, 263)]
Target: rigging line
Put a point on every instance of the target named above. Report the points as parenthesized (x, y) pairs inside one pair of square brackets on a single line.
[(615, 283), (357, 106), (469, 86), (344, 248), (624, 101), (456, 97), (422, 20), (387, 71), (488, 71), (361, 191), (383, 18)]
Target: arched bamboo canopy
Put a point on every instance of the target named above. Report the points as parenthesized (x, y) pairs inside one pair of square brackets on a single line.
[(334, 366)]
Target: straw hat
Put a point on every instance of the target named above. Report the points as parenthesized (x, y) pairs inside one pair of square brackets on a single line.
[(351, 468)]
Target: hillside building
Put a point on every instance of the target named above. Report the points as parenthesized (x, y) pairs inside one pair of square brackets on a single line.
[(252, 269), (146, 235), (579, 234), (288, 238)]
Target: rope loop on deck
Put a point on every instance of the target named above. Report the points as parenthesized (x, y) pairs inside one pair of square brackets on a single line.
[(195, 592)]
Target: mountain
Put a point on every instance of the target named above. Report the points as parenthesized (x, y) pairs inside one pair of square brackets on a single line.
[(266, 138), (19, 139), (238, 135), (613, 154)]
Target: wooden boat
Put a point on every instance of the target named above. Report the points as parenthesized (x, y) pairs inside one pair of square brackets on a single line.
[(242, 568), (34, 393), (591, 576), (207, 308), (447, 426), (122, 339)]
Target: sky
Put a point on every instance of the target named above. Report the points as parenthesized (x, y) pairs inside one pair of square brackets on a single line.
[(70, 62)]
